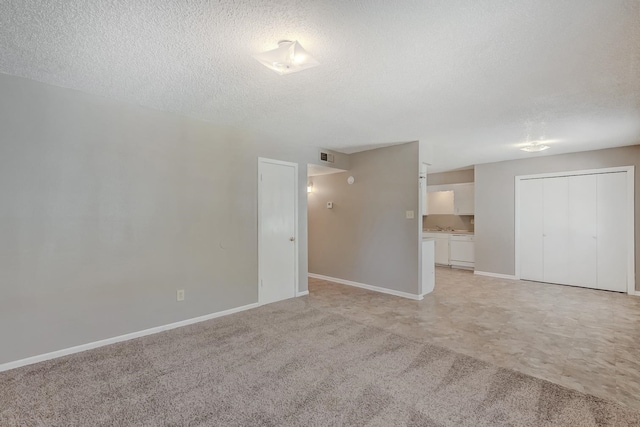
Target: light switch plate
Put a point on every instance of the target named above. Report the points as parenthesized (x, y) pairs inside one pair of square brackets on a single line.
[(410, 215), (180, 295)]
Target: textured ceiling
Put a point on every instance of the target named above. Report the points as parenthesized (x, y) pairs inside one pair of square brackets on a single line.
[(464, 76)]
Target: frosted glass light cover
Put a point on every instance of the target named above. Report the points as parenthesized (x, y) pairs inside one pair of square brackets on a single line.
[(534, 148), (289, 57)]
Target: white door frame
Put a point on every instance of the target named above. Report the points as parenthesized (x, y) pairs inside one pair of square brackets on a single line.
[(631, 257), (261, 161), (423, 168)]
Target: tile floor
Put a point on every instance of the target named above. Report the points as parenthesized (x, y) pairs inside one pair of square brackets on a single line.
[(584, 339)]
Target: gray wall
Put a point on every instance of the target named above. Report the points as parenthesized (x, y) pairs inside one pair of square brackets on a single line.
[(451, 177), (365, 237), (495, 202), (108, 208)]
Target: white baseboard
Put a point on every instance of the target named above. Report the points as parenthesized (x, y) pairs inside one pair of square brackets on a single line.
[(496, 275), (125, 337), (301, 294), (635, 293), (369, 287)]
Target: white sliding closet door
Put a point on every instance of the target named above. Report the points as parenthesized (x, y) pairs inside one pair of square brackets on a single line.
[(556, 230), (575, 228), (531, 230), (582, 231), (612, 231)]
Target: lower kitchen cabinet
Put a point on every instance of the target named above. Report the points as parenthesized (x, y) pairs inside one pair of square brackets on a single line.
[(442, 250), (462, 250), (428, 266), (456, 250), (441, 247)]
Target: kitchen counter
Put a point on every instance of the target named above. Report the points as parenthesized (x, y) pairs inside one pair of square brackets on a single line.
[(449, 232)]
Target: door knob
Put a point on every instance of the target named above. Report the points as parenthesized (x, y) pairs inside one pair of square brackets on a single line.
[(292, 238)]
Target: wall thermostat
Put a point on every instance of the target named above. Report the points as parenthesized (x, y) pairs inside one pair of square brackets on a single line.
[(351, 180), (329, 205)]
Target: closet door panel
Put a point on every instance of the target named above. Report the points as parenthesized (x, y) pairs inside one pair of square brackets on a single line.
[(556, 230), (582, 231), (531, 230), (612, 231)]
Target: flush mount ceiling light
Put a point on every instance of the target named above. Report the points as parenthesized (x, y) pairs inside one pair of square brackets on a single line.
[(289, 57), (534, 146)]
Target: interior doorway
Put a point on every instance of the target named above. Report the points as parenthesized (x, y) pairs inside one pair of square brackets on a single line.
[(321, 204)]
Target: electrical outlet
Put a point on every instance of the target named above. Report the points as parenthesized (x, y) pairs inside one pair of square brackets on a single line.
[(180, 295), (409, 215)]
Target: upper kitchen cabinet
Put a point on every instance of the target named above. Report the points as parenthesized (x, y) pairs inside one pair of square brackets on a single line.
[(440, 202), (464, 199), (451, 199)]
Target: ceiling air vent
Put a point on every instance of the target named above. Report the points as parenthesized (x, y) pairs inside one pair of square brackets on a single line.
[(326, 157)]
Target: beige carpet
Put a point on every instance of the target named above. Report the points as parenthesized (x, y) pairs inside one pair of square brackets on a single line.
[(287, 364)]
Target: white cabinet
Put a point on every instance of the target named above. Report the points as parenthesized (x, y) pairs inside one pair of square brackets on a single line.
[(441, 247), (456, 250), (440, 202), (451, 199), (464, 199), (573, 230), (442, 250), (428, 266), (462, 250)]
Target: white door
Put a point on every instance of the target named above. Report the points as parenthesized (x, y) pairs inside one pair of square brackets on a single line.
[(556, 230), (277, 230), (588, 227), (531, 230), (582, 233), (612, 231)]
